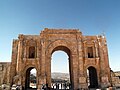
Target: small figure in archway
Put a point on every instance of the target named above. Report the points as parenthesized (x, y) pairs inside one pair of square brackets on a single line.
[(18, 87), (47, 87), (43, 87), (57, 86)]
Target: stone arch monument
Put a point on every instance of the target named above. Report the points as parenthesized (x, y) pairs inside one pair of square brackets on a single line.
[(85, 53)]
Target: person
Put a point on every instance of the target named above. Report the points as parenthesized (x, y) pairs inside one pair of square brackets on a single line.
[(18, 87), (47, 88), (43, 87)]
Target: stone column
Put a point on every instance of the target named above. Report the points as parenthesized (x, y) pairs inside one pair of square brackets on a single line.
[(42, 77), (102, 65), (80, 58), (106, 60), (43, 57), (85, 49), (19, 57), (25, 50), (38, 50), (14, 60), (75, 71), (96, 50), (48, 70), (103, 70), (82, 71), (81, 55)]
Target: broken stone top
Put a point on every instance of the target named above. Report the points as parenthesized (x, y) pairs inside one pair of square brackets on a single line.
[(60, 31)]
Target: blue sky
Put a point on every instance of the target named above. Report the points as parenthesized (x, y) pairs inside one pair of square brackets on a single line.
[(60, 62), (92, 17)]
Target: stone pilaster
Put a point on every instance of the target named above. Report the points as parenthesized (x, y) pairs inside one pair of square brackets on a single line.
[(96, 50), (19, 57), (43, 67), (48, 70), (103, 72), (14, 60), (75, 71)]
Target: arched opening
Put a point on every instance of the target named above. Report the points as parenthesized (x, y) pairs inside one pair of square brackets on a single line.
[(32, 52), (90, 52), (92, 77), (30, 82), (60, 68)]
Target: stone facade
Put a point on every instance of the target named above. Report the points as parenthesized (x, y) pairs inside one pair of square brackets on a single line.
[(85, 53)]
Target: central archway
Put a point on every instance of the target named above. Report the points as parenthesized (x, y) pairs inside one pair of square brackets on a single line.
[(66, 51)]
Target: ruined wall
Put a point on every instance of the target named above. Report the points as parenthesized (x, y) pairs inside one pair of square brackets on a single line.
[(115, 78), (4, 72)]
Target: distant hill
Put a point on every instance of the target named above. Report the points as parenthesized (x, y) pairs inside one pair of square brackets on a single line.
[(58, 75)]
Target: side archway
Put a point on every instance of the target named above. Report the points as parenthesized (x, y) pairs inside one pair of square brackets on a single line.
[(92, 78), (30, 78)]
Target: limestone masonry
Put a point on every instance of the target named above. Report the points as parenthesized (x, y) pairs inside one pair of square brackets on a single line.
[(35, 51)]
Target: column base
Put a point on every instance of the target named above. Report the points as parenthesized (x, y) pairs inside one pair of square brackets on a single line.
[(82, 83)]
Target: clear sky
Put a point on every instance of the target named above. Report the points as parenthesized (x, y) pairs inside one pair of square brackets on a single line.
[(92, 17), (60, 62)]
